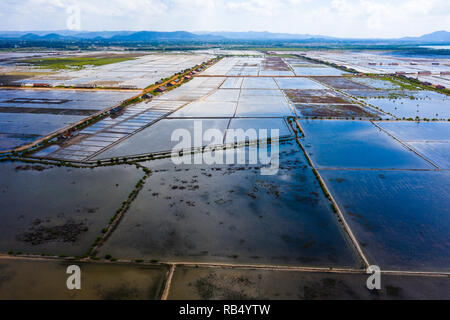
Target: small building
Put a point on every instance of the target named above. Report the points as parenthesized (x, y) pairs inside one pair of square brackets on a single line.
[(115, 111), (440, 87), (424, 73), (161, 89)]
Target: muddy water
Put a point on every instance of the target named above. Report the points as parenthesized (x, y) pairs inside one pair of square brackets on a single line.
[(59, 210), (400, 218), (232, 213), (217, 283), (356, 144), (46, 280)]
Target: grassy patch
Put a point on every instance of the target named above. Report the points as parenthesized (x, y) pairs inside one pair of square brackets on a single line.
[(74, 62), (403, 84)]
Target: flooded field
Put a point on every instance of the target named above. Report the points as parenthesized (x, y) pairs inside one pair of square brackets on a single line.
[(249, 284), (414, 104), (317, 71), (335, 111), (340, 83), (430, 139), (259, 83), (400, 218), (138, 73), (57, 210), (211, 109), (228, 213), (227, 207), (46, 280), (418, 131), (157, 138), (356, 144), (379, 84), (261, 124), (438, 152), (424, 67), (26, 115), (298, 83), (316, 96)]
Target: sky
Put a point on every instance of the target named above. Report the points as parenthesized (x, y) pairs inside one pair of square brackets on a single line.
[(340, 18)]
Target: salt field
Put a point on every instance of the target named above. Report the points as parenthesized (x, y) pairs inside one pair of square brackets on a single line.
[(402, 224), (69, 222), (227, 213), (258, 176), (26, 115)]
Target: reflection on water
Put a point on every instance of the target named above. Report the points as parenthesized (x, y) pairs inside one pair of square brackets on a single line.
[(46, 280), (59, 210), (401, 218), (232, 213)]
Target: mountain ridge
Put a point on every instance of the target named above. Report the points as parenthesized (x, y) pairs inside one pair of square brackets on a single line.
[(441, 36)]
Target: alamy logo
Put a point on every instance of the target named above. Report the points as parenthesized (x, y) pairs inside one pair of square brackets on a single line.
[(74, 17), (74, 280), (209, 143), (374, 281)]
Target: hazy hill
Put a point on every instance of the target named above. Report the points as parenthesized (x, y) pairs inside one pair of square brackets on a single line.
[(438, 36), (154, 36)]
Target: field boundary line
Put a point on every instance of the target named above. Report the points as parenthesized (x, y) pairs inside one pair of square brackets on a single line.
[(193, 264), (336, 206), (406, 145), (168, 283)]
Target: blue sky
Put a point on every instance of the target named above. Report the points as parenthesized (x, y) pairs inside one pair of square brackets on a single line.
[(343, 18)]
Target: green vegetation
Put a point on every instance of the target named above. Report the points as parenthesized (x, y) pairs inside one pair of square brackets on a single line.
[(419, 84), (403, 84), (76, 63), (333, 65)]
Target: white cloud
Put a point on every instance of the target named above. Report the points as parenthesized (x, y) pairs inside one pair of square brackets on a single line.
[(350, 18)]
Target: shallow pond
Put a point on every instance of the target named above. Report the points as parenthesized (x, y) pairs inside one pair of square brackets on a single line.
[(437, 152), (238, 284), (232, 213), (46, 280), (206, 109), (157, 137), (298, 83), (356, 144), (422, 104), (400, 218), (58, 210), (418, 131)]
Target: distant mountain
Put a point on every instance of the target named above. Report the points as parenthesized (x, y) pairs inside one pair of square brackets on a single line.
[(119, 36), (438, 36), (100, 34), (263, 35), (51, 36), (155, 36), (146, 36), (29, 36), (65, 33), (34, 37)]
